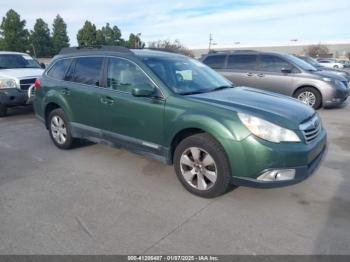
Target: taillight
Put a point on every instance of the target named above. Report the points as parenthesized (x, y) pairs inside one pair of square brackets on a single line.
[(37, 84)]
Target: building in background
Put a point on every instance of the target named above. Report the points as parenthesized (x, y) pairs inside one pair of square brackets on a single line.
[(337, 49)]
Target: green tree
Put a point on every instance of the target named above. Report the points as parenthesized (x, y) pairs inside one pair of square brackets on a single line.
[(135, 41), (87, 35), (171, 46), (100, 38), (60, 38), (112, 36), (40, 39), (14, 36)]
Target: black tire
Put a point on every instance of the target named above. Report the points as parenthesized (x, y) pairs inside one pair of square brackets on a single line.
[(314, 91), (69, 142), (3, 110), (212, 147)]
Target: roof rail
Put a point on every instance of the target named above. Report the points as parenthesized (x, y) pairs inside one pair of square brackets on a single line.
[(82, 49)]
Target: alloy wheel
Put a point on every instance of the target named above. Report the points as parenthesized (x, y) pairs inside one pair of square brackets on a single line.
[(307, 98), (58, 130), (198, 168)]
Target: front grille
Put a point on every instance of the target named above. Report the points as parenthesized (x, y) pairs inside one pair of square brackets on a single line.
[(26, 83), (311, 129)]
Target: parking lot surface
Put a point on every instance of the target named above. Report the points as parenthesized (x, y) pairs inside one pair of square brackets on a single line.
[(100, 200)]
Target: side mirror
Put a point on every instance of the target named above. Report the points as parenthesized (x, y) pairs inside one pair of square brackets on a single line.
[(286, 70), (144, 90), (42, 65)]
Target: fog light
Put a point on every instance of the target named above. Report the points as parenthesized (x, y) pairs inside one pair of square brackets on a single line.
[(336, 100), (277, 175)]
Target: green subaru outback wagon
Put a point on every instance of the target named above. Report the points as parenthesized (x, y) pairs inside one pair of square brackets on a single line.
[(178, 110)]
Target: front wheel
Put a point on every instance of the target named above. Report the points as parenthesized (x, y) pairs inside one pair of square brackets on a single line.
[(309, 96), (59, 129), (202, 167)]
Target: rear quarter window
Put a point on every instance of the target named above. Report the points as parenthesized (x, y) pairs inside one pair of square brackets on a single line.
[(215, 61), (58, 70)]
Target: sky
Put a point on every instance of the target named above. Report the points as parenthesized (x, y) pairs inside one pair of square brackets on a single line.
[(191, 21)]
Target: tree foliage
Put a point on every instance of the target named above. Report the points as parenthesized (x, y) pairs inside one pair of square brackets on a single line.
[(14, 36), (87, 35), (60, 38), (40, 39), (317, 50), (171, 46)]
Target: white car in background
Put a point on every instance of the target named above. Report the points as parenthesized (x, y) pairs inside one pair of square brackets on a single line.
[(18, 72), (331, 63)]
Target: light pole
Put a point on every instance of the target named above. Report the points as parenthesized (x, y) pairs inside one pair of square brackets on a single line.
[(211, 43)]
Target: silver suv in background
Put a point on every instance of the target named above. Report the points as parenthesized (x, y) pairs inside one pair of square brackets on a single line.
[(281, 73), (18, 72)]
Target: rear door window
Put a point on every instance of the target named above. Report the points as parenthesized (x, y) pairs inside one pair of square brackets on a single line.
[(58, 70), (215, 61), (244, 62), (87, 70)]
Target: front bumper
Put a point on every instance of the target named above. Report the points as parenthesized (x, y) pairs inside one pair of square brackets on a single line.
[(302, 173), (13, 97), (252, 157), (335, 96)]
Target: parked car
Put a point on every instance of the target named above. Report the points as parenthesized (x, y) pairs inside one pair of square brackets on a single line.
[(331, 63), (178, 110), (280, 73), (318, 66), (18, 72), (345, 63)]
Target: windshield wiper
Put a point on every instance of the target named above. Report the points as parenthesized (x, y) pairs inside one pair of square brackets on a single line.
[(220, 88), (192, 93)]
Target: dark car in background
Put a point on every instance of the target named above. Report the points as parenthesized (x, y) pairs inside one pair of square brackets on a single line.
[(317, 65), (281, 73)]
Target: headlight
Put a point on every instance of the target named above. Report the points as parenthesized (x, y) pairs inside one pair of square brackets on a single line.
[(267, 130), (327, 79), (7, 83)]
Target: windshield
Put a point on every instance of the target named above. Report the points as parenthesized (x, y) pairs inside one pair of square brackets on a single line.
[(301, 63), (185, 75), (311, 61), (10, 61)]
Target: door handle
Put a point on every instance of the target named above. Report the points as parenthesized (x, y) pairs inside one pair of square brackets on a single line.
[(107, 100), (250, 74), (261, 75), (65, 91)]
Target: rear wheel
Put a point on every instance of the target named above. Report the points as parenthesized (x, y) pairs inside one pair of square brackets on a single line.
[(59, 129), (3, 110), (202, 167), (309, 96)]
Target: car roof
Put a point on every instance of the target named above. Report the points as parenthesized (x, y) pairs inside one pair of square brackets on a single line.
[(113, 50), (12, 53), (234, 52)]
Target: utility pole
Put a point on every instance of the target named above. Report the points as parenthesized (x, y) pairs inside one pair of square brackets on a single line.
[(211, 43)]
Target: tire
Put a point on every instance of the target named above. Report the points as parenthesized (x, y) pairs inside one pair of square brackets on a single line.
[(57, 123), (3, 110), (336, 66), (207, 146), (302, 94)]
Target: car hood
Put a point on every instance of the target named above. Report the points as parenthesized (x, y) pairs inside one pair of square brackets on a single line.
[(323, 68), (329, 74), (21, 72), (279, 109)]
